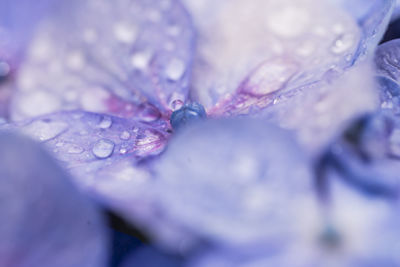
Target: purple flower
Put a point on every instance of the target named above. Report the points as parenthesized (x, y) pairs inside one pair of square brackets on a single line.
[(106, 85)]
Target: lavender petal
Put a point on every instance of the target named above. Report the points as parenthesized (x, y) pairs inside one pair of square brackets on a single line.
[(89, 143), (46, 221), (234, 182), (274, 46), (86, 58), (357, 231)]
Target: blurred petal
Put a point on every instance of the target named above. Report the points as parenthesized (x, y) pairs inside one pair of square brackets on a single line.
[(108, 57), (46, 222), (387, 60), (359, 232), (18, 19), (274, 46), (233, 182), (373, 17), (319, 111), (366, 156), (150, 257)]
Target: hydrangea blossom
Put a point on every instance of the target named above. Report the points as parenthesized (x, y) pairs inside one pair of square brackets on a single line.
[(112, 91)]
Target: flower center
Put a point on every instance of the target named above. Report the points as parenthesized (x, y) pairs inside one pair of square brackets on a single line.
[(187, 114)]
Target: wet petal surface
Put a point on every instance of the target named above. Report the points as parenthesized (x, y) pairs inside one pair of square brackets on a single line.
[(86, 58), (47, 222), (87, 143), (273, 46)]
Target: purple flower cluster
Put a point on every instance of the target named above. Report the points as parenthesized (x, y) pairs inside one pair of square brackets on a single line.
[(222, 133)]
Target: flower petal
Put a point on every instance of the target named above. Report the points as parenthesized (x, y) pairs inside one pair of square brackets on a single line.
[(234, 183), (150, 257), (108, 57), (358, 232), (46, 221), (387, 60), (87, 143), (274, 46), (18, 19), (373, 17)]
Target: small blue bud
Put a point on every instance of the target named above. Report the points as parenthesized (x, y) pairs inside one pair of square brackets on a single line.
[(187, 114)]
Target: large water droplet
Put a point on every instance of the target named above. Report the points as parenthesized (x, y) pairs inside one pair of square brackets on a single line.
[(103, 148)]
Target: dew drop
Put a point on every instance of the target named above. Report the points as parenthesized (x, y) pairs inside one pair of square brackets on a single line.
[(342, 44), (125, 33), (148, 113), (175, 69), (176, 104), (105, 123), (141, 60), (103, 148), (125, 135), (45, 130), (123, 150), (75, 149)]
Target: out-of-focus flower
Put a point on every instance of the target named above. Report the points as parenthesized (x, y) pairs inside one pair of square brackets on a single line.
[(99, 81), (45, 220)]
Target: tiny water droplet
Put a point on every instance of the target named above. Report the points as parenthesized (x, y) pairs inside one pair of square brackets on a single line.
[(141, 60), (45, 130), (176, 104), (123, 150), (75, 149), (125, 135), (103, 148), (148, 113), (342, 43), (175, 69), (105, 123), (135, 129)]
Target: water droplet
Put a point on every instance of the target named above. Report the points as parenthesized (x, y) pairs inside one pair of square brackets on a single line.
[(125, 135), (105, 123), (135, 129), (141, 60), (342, 44), (125, 33), (123, 150), (103, 148), (44, 130), (74, 149), (175, 69), (176, 104), (148, 113), (76, 61)]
